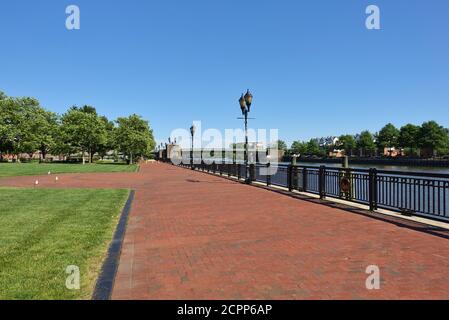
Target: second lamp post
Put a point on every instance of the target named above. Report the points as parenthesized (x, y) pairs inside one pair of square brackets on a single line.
[(245, 102), (192, 133)]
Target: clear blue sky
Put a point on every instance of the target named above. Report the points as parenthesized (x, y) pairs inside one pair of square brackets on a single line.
[(314, 68)]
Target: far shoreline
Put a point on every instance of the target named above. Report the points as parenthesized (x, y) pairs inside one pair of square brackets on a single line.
[(435, 163)]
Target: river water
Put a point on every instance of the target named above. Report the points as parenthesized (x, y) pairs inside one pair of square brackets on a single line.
[(379, 167)]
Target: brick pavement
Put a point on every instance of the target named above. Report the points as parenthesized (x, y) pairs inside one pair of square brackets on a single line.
[(196, 236)]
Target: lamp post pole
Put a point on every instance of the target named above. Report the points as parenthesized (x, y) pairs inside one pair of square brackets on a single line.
[(192, 132), (246, 145), (245, 102)]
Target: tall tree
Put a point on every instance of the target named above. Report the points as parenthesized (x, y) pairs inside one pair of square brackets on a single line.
[(409, 137), (298, 148), (47, 131), (366, 143), (83, 131), (134, 137), (348, 143), (109, 142), (7, 122), (313, 148), (17, 126), (388, 137), (433, 137), (86, 109)]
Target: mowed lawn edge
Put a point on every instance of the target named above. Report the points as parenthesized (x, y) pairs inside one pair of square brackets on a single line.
[(37, 169), (43, 231)]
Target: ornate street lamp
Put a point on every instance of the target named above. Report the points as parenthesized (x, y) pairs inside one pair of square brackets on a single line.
[(242, 104), (248, 99), (192, 133), (245, 103)]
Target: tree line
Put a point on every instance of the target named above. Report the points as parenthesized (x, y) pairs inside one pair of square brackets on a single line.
[(26, 128), (427, 140)]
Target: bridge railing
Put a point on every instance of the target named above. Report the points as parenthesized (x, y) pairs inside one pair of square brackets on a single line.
[(410, 193)]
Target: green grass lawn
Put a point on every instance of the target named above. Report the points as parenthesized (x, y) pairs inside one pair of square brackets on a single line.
[(43, 231), (32, 169)]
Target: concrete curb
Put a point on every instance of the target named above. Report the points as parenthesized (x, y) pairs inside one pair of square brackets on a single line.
[(105, 281)]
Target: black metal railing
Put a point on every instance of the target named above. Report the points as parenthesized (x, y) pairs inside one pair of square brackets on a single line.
[(410, 193)]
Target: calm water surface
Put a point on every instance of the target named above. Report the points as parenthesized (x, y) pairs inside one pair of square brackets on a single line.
[(380, 167)]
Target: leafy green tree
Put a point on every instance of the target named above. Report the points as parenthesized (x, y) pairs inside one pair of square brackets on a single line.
[(40, 131), (134, 137), (409, 137), (299, 148), (83, 131), (388, 137), (61, 145), (27, 140), (280, 145), (366, 143), (433, 137), (47, 131), (17, 125), (26, 127), (348, 143), (85, 109), (313, 148), (7, 121), (109, 143)]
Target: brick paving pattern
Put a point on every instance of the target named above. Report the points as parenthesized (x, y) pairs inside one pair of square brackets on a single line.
[(197, 236)]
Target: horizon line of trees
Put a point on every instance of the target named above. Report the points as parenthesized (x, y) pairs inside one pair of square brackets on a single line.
[(427, 140), (26, 128)]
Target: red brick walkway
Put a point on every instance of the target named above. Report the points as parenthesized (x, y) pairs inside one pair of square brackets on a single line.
[(197, 236)]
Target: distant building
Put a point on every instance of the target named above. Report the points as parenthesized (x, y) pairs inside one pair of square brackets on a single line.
[(327, 141), (336, 153), (26, 157), (393, 152)]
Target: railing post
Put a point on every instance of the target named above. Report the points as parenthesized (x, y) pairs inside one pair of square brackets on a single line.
[(289, 178), (304, 180), (294, 176), (252, 172), (322, 182), (372, 189), (238, 171), (375, 188), (268, 174)]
